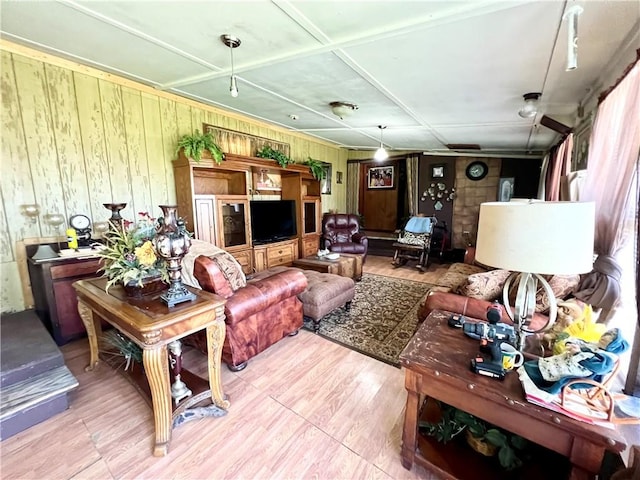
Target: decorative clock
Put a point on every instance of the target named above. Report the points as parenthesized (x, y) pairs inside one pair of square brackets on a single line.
[(477, 170), (82, 225)]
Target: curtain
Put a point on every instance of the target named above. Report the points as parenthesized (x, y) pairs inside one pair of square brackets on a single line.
[(559, 166), (612, 165), (412, 184), (353, 187)]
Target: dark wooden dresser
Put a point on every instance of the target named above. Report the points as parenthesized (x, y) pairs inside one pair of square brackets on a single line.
[(54, 297)]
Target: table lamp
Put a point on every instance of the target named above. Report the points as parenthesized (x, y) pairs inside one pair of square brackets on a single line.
[(534, 238)]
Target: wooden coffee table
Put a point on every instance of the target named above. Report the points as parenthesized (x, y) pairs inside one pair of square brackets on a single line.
[(347, 265), (437, 366)]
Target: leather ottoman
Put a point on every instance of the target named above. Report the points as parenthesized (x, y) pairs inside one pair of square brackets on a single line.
[(325, 292)]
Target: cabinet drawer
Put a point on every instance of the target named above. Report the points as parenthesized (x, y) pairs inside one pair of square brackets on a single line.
[(245, 259), (280, 255), (89, 267), (310, 245)]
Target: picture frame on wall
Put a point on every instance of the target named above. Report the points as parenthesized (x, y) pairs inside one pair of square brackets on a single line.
[(380, 177), (437, 171), (505, 188), (581, 146)]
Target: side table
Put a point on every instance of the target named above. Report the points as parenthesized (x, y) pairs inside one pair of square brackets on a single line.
[(437, 359), (153, 326)]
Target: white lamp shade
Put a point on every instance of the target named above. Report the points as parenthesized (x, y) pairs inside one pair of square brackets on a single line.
[(537, 237), (381, 154)]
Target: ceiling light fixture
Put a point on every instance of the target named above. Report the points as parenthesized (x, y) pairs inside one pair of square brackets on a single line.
[(381, 153), (231, 42), (530, 107), (572, 15), (342, 109)]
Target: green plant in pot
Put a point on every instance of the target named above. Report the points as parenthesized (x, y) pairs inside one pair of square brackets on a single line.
[(481, 436), (197, 143), (316, 167), (278, 156)]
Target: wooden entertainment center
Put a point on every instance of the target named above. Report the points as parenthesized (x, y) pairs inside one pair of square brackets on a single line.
[(215, 199)]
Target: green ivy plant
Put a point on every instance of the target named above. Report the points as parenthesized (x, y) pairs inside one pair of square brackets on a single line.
[(316, 167), (197, 143), (278, 156), (455, 421)]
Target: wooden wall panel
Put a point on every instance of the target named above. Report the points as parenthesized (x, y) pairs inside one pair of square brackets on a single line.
[(74, 138), (93, 145), (136, 150), (68, 142)]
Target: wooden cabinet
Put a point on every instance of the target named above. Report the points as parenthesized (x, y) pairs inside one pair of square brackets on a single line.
[(275, 254), (54, 297), (214, 201)]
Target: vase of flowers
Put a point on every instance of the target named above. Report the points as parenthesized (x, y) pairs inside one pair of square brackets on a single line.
[(130, 259)]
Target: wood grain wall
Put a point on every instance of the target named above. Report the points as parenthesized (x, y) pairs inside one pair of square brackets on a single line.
[(74, 138)]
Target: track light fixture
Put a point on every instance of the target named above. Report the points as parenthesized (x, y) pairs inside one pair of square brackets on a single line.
[(231, 42), (343, 109), (530, 107), (381, 154), (571, 15)]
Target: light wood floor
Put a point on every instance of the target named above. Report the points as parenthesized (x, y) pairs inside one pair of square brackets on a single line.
[(304, 408)]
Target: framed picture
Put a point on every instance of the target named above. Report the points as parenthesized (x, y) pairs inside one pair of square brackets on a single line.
[(581, 146), (380, 177), (325, 183), (505, 189), (338, 177), (437, 171)]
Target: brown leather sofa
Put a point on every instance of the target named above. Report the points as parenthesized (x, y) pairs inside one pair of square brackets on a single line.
[(257, 315), (341, 234)]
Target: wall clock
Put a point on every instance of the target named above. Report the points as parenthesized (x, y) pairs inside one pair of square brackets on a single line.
[(477, 170)]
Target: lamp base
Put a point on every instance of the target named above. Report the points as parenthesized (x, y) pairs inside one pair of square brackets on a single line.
[(525, 304), (177, 294), (44, 252)]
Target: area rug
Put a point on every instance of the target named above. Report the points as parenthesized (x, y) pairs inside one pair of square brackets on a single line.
[(382, 318)]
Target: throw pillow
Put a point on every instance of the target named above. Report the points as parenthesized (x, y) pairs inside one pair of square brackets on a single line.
[(561, 286), (231, 269), (484, 286)]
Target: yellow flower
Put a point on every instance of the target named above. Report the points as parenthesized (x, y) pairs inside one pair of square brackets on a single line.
[(146, 254)]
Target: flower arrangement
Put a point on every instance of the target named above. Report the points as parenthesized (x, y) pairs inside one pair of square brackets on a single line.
[(130, 256)]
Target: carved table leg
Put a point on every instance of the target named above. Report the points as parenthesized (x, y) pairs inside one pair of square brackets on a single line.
[(409, 431), (94, 330), (215, 341), (156, 368)]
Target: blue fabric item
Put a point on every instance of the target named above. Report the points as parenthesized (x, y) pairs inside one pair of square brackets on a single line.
[(418, 225), (618, 345)]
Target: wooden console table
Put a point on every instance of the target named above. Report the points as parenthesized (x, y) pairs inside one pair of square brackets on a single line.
[(153, 326), (437, 366)]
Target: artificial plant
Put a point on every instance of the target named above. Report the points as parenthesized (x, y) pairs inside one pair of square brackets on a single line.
[(316, 167), (278, 156), (197, 143)]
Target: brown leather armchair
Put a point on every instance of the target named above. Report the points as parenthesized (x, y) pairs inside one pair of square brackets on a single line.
[(257, 315), (341, 233)]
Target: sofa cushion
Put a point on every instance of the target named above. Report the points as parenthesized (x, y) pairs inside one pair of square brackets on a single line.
[(457, 274), (484, 285), (227, 266)]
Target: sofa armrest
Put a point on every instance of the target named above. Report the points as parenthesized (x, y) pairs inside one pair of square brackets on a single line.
[(360, 238), (470, 307), (262, 294)]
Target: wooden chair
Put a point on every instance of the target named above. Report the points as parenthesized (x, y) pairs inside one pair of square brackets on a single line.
[(414, 242)]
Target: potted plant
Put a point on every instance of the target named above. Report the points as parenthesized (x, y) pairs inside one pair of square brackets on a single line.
[(129, 258), (316, 168), (278, 156), (197, 143), (480, 435)]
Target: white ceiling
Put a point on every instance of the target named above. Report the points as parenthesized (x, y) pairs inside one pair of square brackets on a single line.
[(434, 73)]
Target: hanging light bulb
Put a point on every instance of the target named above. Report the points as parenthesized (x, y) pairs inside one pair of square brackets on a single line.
[(231, 42), (381, 153)]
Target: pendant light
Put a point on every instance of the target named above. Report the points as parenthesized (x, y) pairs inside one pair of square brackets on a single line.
[(571, 15), (231, 42), (381, 154)]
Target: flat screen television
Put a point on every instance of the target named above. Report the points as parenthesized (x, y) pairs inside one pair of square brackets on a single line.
[(272, 220)]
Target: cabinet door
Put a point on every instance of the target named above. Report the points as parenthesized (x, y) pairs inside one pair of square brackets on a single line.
[(311, 217), (232, 223), (205, 219)]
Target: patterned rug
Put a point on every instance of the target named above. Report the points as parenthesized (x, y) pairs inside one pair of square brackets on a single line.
[(382, 317)]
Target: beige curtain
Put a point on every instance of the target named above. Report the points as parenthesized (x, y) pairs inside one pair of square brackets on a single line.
[(612, 165), (558, 167), (412, 184), (353, 187)]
